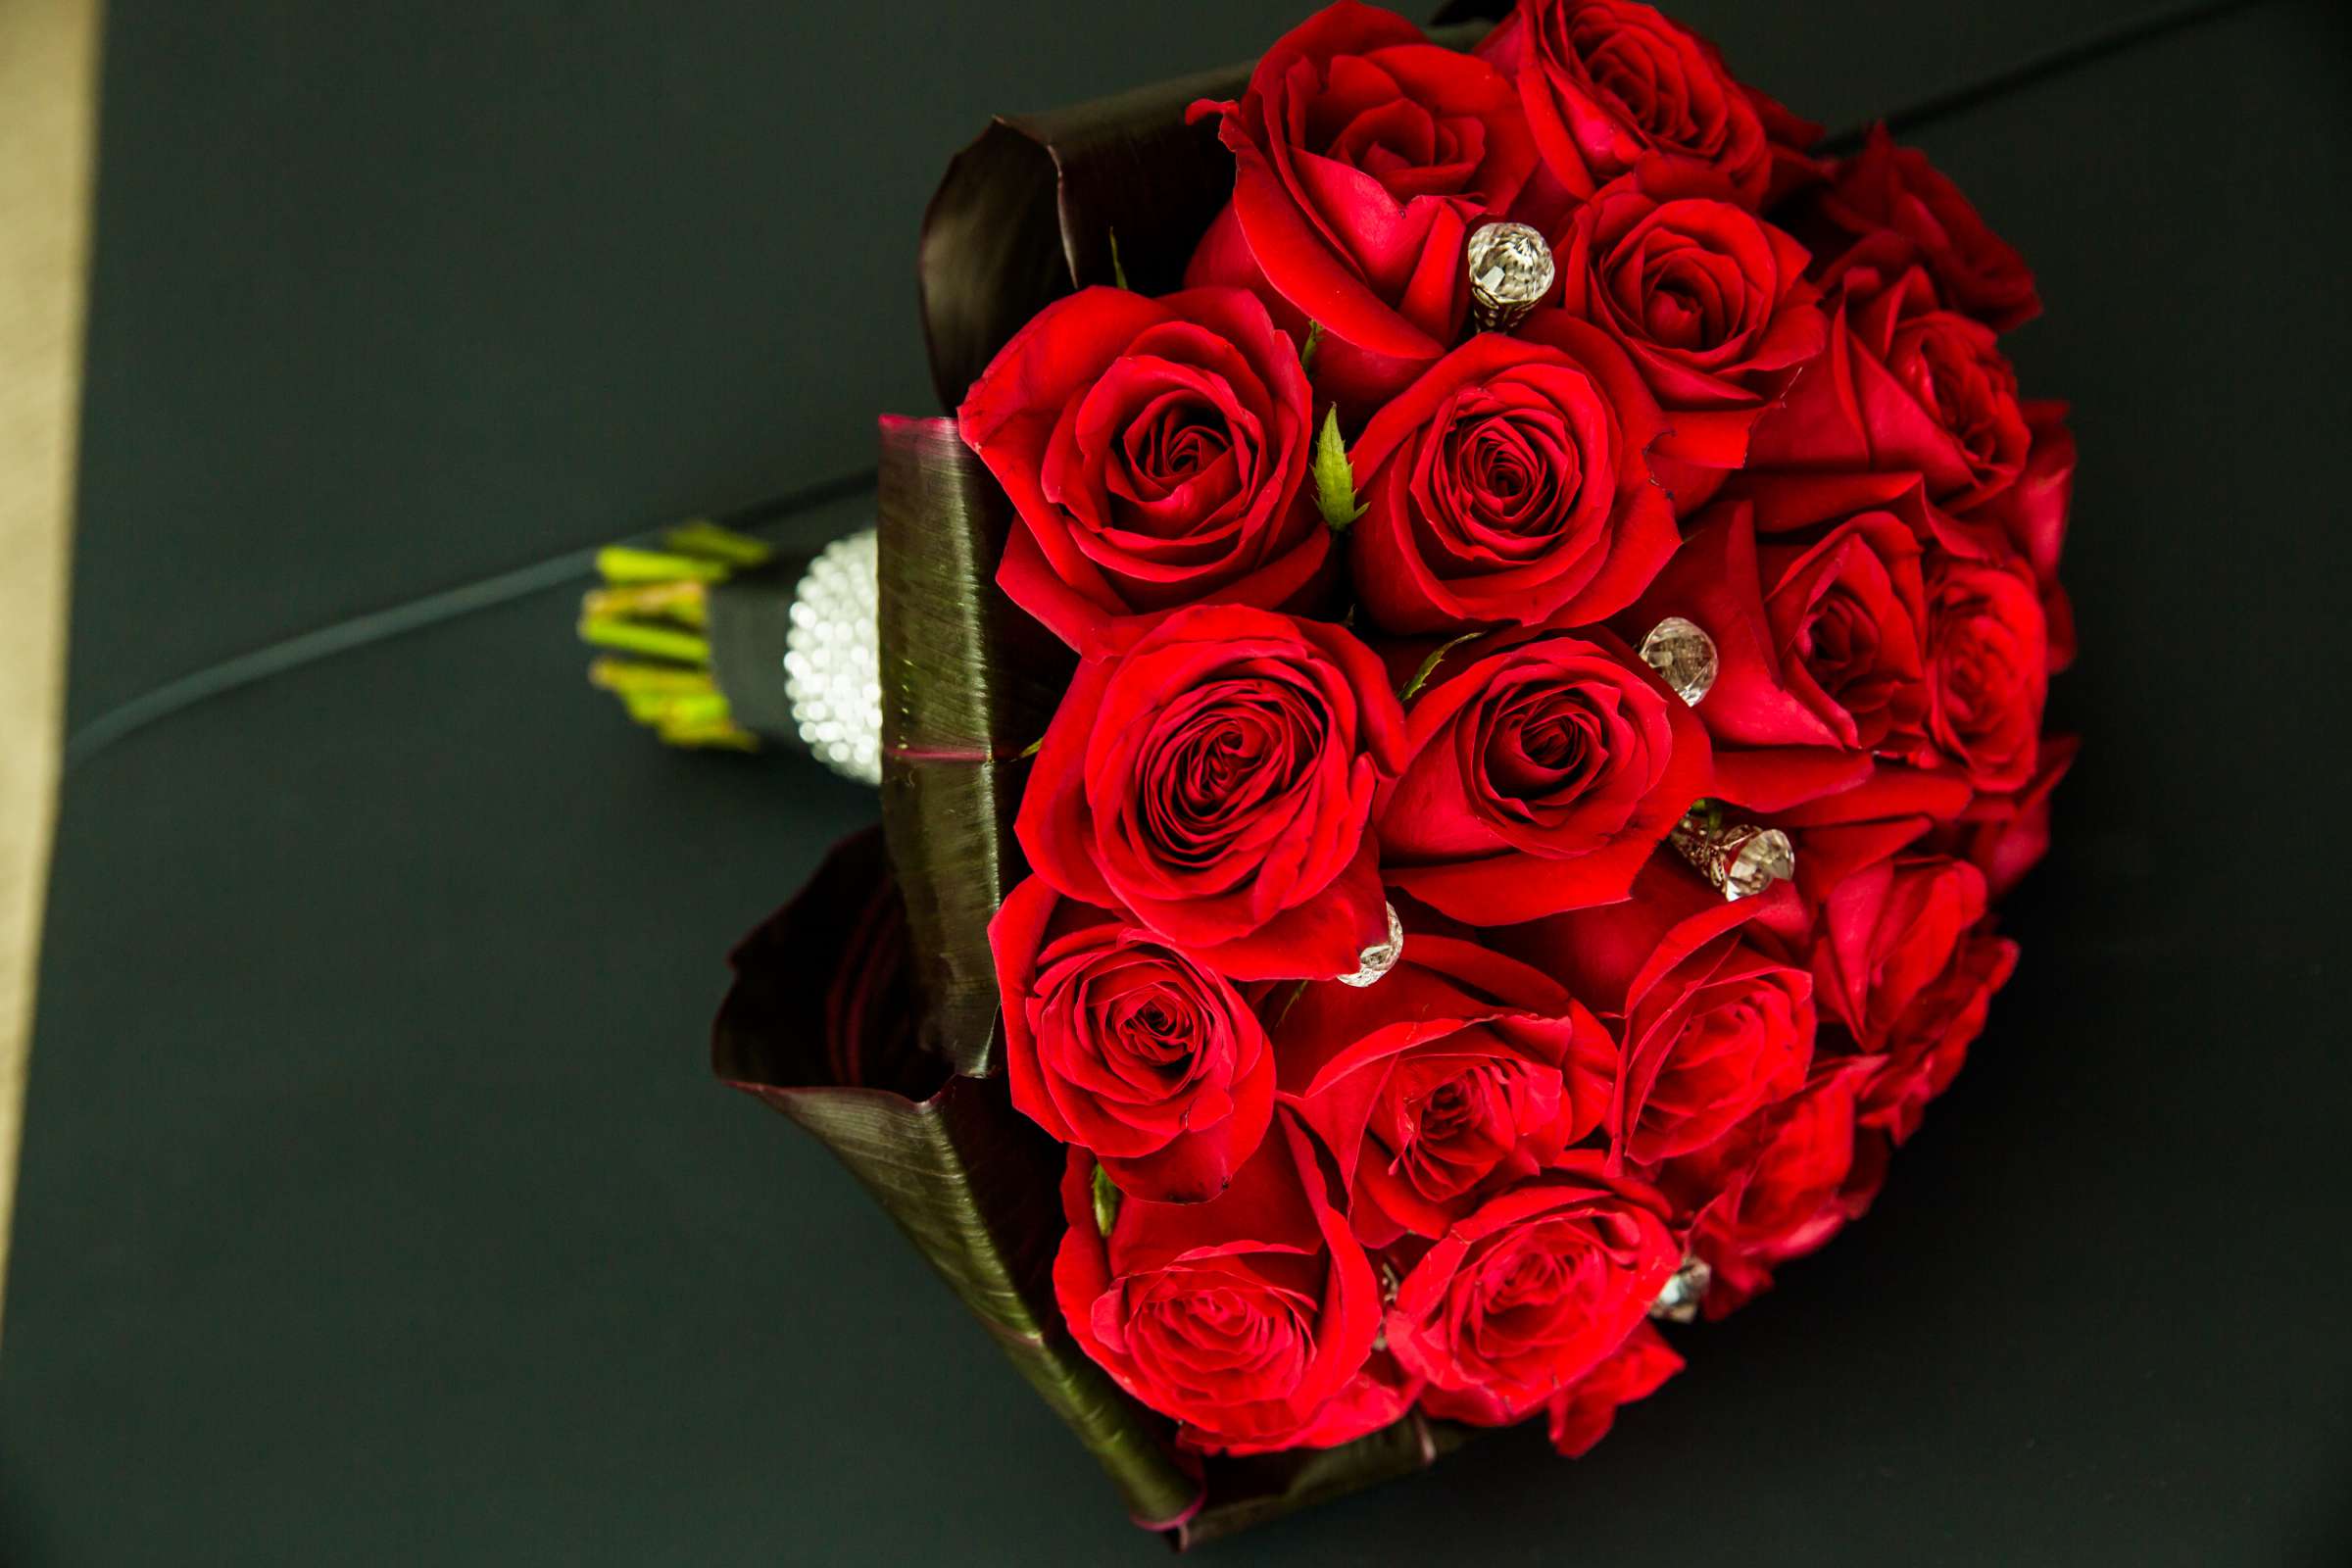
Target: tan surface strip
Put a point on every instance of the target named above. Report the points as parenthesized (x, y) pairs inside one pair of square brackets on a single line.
[(48, 52)]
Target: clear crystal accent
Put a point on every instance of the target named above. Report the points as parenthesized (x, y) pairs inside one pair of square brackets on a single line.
[(1379, 958), (833, 659), (1684, 656), (1510, 271), (1739, 859), (1678, 1301)]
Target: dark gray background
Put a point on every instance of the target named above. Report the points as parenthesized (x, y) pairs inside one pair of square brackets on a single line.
[(377, 1205)]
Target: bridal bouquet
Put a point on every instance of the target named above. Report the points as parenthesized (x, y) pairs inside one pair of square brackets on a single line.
[(1456, 698)]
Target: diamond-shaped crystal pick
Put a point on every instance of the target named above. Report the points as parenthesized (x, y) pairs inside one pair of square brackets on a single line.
[(833, 659), (1739, 859), (1379, 958), (1510, 271), (1684, 656), (1678, 1301)]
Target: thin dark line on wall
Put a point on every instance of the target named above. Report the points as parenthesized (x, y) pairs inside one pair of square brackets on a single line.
[(415, 615), (398, 620), (2101, 45)]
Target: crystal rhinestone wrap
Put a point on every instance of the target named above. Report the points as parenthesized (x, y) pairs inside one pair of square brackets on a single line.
[(1380, 959), (833, 659)]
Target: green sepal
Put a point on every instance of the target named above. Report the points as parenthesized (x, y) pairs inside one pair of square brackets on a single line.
[(1307, 350), (1429, 665), (1335, 479), (1106, 1200)]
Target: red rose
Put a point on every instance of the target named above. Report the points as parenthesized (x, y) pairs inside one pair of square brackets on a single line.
[(1710, 1028), (1460, 1071), (1817, 643), (1249, 1318), (1607, 83), (1892, 209), (2004, 836), (1531, 1290), (1512, 484), (1925, 1048), (1711, 301), (1780, 1186), (1989, 669), (1542, 769), (2027, 521), (1156, 451), (1364, 155), (1886, 930), (1904, 386), (1213, 777), (1582, 1414), (1121, 1045)]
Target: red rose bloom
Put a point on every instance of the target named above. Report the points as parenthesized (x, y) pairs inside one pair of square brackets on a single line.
[(1531, 1290), (1213, 777), (1989, 669), (1542, 769), (1886, 930), (1510, 485), (1582, 1414), (2005, 836), (1893, 210), (1710, 1028), (1925, 1048), (1607, 83), (2028, 522), (1156, 451), (1904, 386), (1711, 301), (1460, 1071), (1780, 1186), (1121, 1045), (1249, 1318), (1364, 155), (1817, 643)]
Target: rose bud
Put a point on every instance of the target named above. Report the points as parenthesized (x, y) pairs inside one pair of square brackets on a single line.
[(1710, 1027), (1460, 1072), (1780, 1185), (1363, 155), (1582, 1414), (1905, 386), (1250, 1319), (1119, 1045), (1607, 82), (1213, 776), (1531, 1290), (1510, 485), (1817, 644), (1886, 930), (1711, 301), (1888, 208), (1155, 451), (1989, 669), (1925, 1048), (1542, 769)]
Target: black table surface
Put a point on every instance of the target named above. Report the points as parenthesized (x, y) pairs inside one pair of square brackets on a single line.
[(377, 1205)]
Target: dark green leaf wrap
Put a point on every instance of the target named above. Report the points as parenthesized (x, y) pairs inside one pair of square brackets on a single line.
[(817, 1025), (903, 1081)]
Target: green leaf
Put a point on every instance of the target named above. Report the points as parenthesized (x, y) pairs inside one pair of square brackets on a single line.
[(1118, 268), (1106, 1200), (1429, 665), (1307, 350), (1335, 480)]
